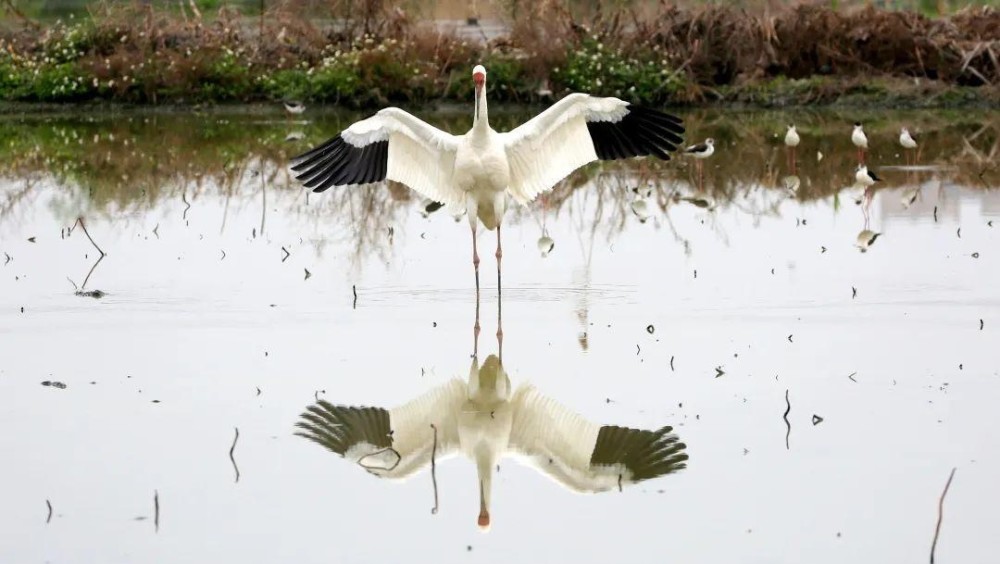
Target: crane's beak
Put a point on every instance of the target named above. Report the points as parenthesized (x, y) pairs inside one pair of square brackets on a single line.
[(480, 80), (484, 512)]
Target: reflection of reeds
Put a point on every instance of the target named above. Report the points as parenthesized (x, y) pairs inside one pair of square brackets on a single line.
[(113, 167)]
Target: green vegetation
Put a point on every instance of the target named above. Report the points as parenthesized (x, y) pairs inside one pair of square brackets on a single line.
[(372, 56)]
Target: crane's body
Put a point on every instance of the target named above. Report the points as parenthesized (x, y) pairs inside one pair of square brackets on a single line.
[(482, 419), (478, 170)]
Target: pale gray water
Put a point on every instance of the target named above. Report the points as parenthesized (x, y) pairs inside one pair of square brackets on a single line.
[(904, 378)]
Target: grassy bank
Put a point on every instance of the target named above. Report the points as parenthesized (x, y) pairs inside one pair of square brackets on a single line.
[(667, 55)]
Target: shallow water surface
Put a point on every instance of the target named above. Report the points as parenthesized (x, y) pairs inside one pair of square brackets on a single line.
[(231, 299)]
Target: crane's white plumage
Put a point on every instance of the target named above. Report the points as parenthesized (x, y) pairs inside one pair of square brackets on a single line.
[(477, 170), (484, 421)]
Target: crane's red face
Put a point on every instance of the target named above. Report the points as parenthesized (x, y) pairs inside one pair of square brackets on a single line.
[(479, 78)]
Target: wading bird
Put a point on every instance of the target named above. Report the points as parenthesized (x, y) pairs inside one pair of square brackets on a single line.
[(294, 108), (791, 142), (485, 420), (860, 141), (865, 177), (909, 144), (479, 169), (701, 151)]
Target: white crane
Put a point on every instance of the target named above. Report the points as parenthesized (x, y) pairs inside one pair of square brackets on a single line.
[(484, 420), (860, 141), (479, 169)]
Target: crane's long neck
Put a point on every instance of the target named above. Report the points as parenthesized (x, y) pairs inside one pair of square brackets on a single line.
[(485, 460), (481, 121)]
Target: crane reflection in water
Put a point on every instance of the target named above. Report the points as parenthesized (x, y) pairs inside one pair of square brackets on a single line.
[(485, 419)]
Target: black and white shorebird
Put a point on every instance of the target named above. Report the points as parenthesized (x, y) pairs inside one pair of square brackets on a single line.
[(486, 419), (480, 169), (865, 177), (909, 145), (294, 107), (860, 141), (865, 239), (792, 141), (701, 151)]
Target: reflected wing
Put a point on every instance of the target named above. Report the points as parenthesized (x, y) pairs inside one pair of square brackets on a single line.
[(389, 443), (391, 144), (580, 129), (586, 457)]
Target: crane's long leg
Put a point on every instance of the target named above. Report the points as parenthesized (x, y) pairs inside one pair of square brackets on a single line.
[(499, 254), (475, 331), (499, 329), (475, 259)]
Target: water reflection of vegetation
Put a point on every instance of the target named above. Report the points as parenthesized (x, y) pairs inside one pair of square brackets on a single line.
[(110, 164)]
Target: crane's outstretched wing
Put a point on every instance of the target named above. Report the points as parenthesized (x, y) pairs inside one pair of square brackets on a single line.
[(580, 129), (586, 457), (390, 144), (389, 443)]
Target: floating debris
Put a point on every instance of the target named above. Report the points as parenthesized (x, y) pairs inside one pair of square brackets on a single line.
[(851, 376), (650, 329), (935, 214), (54, 384), (31, 239), (223, 255), (822, 250), (980, 324), (671, 363), (7, 259), (817, 419), (354, 290), (156, 510), (287, 254), (854, 292), (975, 255), (96, 294), (308, 274), (789, 338), (49, 505), (959, 233), (719, 371)]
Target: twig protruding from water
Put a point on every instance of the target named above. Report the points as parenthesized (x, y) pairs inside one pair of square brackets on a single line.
[(156, 510), (233, 459), (434, 479), (49, 505), (79, 221), (788, 409), (937, 528)]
